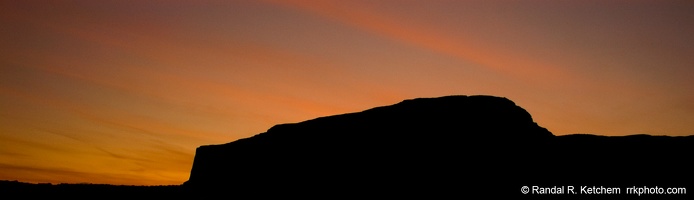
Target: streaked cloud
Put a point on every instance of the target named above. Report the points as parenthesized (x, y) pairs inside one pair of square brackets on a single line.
[(365, 16)]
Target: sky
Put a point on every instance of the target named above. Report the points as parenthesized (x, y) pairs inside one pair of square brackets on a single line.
[(122, 92)]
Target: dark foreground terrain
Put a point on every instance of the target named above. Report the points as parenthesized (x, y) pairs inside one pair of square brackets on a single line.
[(454, 146), (96, 191)]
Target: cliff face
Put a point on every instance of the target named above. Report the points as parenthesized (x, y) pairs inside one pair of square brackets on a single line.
[(449, 144)]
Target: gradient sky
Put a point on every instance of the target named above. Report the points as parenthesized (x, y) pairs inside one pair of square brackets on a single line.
[(122, 92)]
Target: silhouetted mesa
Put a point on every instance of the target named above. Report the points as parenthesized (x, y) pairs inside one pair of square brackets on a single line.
[(459, 145)]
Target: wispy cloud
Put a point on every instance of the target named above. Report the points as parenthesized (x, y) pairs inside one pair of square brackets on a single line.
[(358, 15), (62, 175)]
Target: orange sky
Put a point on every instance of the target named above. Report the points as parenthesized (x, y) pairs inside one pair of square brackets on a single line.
[(122, 92)]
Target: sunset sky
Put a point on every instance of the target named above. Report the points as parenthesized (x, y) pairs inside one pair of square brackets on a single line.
[(122, 92)]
